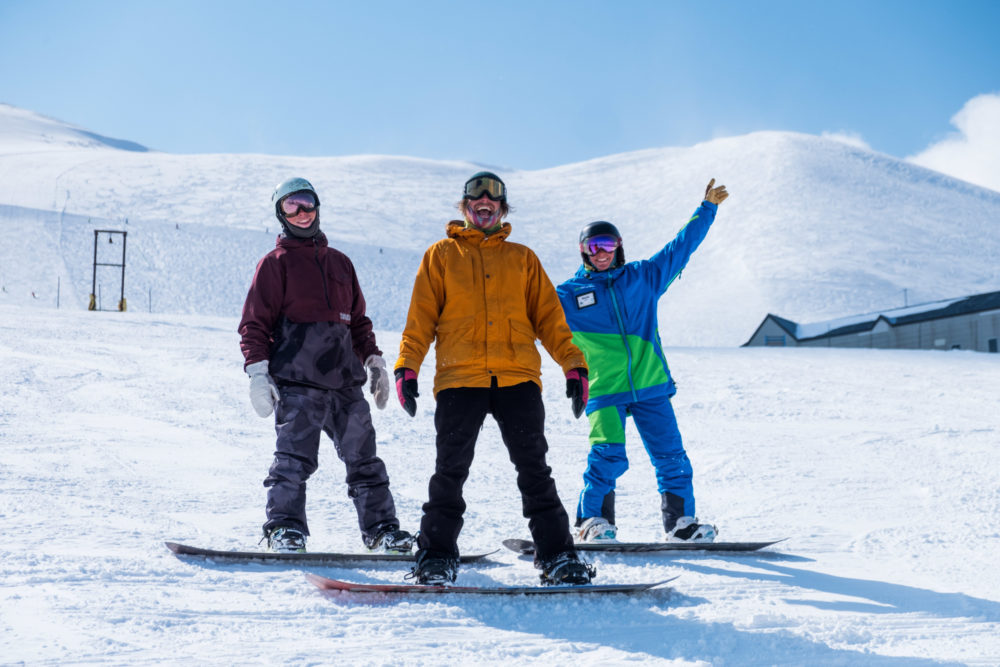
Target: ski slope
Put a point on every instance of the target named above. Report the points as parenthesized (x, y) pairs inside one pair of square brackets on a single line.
[(119, 431), (122, 430)]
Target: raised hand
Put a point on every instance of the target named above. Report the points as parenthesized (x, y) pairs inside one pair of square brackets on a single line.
[(715, 195)]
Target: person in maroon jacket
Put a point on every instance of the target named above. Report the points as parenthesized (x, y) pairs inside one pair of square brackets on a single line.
[(307, 344)]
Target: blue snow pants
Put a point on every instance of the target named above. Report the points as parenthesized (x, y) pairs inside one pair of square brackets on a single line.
[(657, 426)]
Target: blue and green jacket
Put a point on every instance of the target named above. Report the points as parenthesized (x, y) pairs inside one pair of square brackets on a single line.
[(612, 315)]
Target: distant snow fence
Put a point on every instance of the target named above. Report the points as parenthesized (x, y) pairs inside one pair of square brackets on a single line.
[(106, 255)]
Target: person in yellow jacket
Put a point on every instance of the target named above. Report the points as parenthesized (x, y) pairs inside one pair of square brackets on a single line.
[(483, 301)]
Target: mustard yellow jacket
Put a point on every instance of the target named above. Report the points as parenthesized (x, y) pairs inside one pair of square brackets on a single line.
[(485, 300)]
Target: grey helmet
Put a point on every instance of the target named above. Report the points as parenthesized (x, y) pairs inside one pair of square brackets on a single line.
[(601, 227), (288, 187)]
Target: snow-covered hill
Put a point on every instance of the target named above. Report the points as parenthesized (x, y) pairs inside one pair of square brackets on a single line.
[(814, 229), (23, 131), (120, 431)]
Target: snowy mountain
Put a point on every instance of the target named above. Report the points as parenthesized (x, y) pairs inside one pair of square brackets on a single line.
[(119, 431), (23, 131), (815, 228)]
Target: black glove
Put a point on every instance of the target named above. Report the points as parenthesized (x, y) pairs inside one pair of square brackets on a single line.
[(406, 389), (578, 389)]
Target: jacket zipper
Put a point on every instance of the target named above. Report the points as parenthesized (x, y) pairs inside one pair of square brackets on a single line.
[(486, 308), (621, 330), (322, 273)]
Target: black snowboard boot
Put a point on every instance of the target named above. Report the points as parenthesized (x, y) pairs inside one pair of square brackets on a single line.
[(389, 540), (565, 568), (434, 569)]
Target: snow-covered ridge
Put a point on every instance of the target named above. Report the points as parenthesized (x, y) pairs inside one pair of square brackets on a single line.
[(815, 228), (26, 131)]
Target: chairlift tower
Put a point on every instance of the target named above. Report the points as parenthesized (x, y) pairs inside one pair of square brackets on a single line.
[(93, 287)]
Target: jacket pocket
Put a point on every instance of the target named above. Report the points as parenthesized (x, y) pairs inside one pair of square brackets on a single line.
[(340, 290), (456, 342), (522, 344)]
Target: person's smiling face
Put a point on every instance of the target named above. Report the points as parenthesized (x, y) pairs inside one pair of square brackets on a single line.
[(602, 260), (483, 212)]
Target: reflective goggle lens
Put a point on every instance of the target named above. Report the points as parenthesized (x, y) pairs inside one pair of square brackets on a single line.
[(298, 202), (490, 187), (605, 242)]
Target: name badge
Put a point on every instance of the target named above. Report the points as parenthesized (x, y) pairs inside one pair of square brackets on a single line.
[(586, 300)]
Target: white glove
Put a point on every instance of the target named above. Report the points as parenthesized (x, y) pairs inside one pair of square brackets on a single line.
[(263, 392), (379, 386)]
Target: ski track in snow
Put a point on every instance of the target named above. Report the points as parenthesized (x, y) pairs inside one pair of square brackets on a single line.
[(122, 430)]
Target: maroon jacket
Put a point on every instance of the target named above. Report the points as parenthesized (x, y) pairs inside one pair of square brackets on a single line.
[(305, 314)]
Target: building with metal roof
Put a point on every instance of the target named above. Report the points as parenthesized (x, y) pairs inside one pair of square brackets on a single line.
[(965, 323)]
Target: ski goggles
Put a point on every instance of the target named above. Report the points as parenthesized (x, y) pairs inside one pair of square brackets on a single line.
[(491, 187), (600, 243), (298, 202)]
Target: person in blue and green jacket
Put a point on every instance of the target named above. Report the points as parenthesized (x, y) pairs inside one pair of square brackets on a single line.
[(610, 307)]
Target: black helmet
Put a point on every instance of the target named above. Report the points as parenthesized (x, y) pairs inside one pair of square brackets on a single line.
[(599, 228), (485, 183)]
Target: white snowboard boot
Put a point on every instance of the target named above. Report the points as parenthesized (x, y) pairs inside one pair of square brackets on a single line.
[(596, 529)]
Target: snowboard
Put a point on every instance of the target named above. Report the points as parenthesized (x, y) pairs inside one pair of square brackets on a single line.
[(333, 586), (310, 558), (527, 547)]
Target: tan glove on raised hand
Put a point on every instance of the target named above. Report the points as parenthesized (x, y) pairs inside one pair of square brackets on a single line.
[(715, 195)]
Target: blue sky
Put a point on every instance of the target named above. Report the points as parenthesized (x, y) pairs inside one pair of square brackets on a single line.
[(514, 84)]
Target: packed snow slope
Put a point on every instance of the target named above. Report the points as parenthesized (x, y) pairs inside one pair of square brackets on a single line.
[(121, 430), (815, 229)]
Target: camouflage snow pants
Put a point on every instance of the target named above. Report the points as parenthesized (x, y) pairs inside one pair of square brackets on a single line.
[(301, 415)]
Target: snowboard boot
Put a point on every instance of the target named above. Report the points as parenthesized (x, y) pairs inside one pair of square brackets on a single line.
[(565, 568), (434, 569), (285, 540), (687, 529), (596, 529), (390, 540)]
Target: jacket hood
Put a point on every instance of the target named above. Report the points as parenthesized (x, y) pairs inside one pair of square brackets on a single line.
[(457, 229)]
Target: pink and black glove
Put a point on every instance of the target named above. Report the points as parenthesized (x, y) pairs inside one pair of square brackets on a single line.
[(578, 390), (406, 389)]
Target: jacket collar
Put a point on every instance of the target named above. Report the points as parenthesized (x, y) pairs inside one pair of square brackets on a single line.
[(456, 229), (586, 274), (289, 242)]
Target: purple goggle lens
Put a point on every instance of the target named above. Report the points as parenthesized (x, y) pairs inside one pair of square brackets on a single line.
[(604, 242), (298, 202)]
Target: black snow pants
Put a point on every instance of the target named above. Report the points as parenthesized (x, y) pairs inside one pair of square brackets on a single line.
[(300, 416), (520, 414)]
